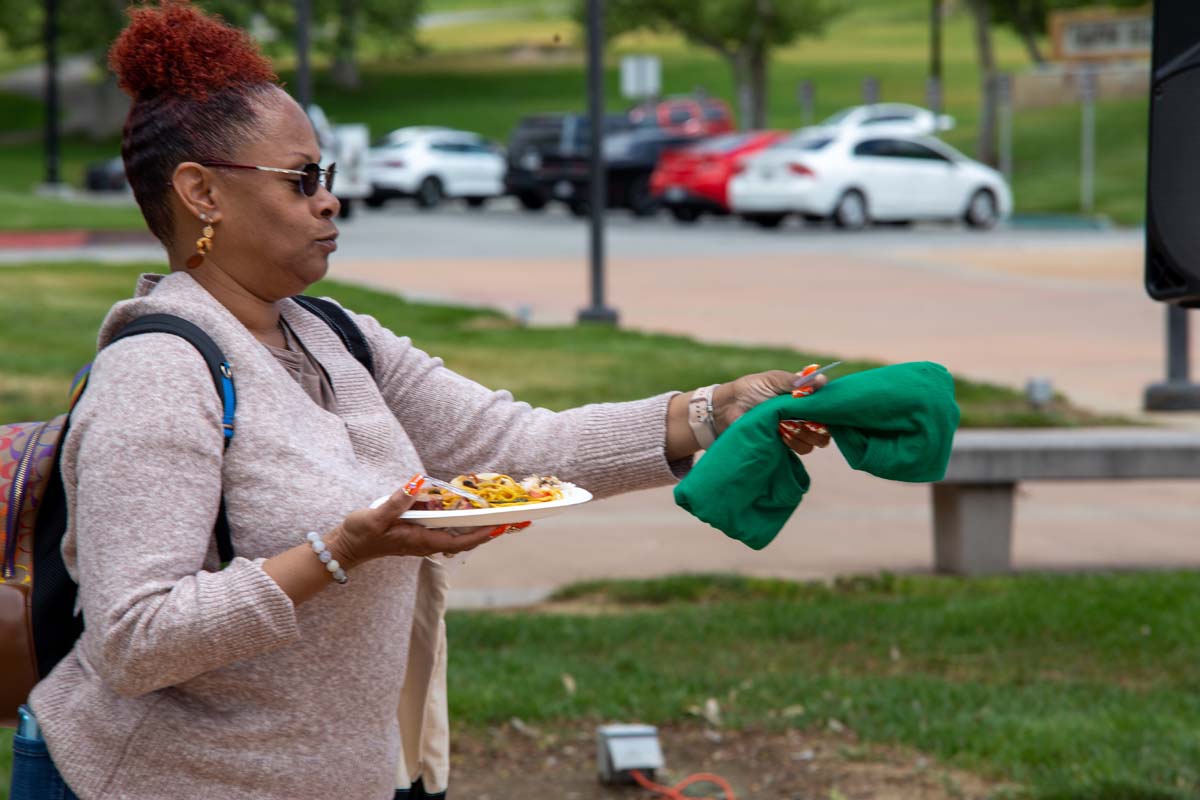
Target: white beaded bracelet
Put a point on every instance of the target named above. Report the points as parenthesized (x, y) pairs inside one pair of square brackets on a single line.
[(331, 564)]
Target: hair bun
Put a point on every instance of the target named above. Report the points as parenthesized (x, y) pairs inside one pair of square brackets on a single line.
[(176, 49)]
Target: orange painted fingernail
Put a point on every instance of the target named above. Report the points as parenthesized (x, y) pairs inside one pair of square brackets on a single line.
[(414, 484), (522, 525), (499, 530), (803, 391)]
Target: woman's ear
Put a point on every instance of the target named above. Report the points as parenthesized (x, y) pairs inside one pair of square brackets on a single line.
[(195, 188)]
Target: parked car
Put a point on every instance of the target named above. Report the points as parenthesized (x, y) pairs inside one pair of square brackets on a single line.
[(896, 117), (345, 145), (106, 176), (685, 115), (694, 180), (630, 157), (539, 137), (858, 177), (431, 165)]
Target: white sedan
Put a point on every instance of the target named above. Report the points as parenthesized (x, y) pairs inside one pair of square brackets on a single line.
[(432, 164), (858, 177)]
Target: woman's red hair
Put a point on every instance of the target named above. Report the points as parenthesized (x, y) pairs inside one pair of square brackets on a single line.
[(198, 88), (176, 49)]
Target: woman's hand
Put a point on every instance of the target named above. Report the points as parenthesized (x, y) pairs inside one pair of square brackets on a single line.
[(371, 533), (732, 400)]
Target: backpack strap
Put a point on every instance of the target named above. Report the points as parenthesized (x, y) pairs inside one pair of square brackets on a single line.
[(336, 317), (222, 375)]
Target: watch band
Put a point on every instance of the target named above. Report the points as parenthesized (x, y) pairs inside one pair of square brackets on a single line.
[(700, 416)]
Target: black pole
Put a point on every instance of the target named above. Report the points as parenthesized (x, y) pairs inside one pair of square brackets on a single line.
[(598, 182), (1178, 393), (935, 56), (303, 75), (51, 93)]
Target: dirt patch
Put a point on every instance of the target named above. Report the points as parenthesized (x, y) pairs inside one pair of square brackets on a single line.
[(520, 762)]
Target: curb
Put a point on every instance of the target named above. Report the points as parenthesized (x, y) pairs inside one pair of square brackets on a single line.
[(34, 240)]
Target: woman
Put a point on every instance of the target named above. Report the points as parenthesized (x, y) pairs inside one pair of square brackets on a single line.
[(310, 666)]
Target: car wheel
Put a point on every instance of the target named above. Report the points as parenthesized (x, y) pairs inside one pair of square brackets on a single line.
[(765, 220), (476, 202), (639, 198), (579, 208), (531, 202), (429, 193), (374, 200), (346, 211), (851, 211), (982, 212), (685, 214)]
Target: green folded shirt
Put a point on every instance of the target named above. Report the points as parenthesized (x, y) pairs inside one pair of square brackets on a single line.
[(896, 422)]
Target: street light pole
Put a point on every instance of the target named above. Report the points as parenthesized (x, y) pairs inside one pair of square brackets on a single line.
[(597, 312), (53, 177), (303, 74), (934, 86)]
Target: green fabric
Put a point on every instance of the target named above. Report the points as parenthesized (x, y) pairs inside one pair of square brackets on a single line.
[(896, 422)]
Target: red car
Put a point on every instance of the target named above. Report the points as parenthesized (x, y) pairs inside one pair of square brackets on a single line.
[(686, 115), (693, 180)]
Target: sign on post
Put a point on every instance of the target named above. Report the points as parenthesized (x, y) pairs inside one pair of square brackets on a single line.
[(1101, 34), (641, 77)]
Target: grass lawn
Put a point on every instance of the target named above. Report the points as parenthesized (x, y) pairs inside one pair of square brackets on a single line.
[(1060, 687), (52, 332), (1072, 686)]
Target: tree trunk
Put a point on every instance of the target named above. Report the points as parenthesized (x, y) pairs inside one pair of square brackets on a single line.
[(1024, 26), (345, 66), (986, 150)]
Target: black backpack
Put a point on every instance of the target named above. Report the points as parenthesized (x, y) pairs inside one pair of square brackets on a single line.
[(38, 624)]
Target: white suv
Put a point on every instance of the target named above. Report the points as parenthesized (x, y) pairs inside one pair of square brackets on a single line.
[(432, 164)]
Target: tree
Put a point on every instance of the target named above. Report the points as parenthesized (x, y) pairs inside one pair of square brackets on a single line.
[(90, 26), (743, 32), (1029, 18), (339, 26)]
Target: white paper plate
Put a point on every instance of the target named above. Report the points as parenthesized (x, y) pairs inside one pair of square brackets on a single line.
[(504, 515)]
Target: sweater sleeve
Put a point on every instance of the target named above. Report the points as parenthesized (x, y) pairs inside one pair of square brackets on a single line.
[(147, 471), (459, 426)]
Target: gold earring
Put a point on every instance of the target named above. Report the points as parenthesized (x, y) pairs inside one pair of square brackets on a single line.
[(203, 245)]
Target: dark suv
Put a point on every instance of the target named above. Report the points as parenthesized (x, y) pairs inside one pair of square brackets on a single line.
[(538, 147), (548, 159)]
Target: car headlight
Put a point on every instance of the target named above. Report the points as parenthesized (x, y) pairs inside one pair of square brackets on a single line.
[(531, 161)]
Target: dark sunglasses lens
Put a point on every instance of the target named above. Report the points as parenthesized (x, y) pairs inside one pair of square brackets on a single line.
[(312, 177), (329, 173)]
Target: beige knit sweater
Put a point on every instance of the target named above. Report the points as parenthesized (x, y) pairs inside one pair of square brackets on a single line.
[(194, 682)]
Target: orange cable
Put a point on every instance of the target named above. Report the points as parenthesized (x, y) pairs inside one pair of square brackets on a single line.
[(676, 792)]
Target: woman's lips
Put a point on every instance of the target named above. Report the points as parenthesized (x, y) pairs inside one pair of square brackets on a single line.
[(329, 245)]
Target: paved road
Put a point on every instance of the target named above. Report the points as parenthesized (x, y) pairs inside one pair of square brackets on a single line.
[(1002, 306)]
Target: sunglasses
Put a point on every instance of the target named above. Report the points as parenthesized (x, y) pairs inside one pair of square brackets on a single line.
[(310, 174)]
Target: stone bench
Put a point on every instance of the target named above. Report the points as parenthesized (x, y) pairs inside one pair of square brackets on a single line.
[(973, 506)]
